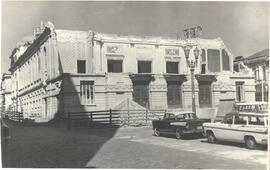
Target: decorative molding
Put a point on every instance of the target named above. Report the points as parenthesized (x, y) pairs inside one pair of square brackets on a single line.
[(114, 49), (172, 52)]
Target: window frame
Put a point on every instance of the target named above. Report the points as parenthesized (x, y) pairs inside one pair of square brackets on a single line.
[(87, 85), (179, 89), (209, 84), (115, 60), (219, 62), (240, 84), (78, 66), (223, 59), (172, 62), (151, 65)]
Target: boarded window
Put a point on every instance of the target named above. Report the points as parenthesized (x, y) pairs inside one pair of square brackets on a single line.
[(144, 66), (172, 67), (205, 94), (213, 58), (81, 66), (174, 94), (239, 91), (115, 66), (225, 60), (141, 93), (87, 92)]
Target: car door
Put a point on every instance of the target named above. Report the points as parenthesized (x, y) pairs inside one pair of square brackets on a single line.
[(164, 124), (222, 131)]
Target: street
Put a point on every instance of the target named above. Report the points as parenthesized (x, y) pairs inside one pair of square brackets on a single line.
[(125, 147), (137, 148)]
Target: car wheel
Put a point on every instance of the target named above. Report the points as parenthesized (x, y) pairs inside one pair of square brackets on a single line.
[(250, 143), (178, 134), (156, 132), (211, 137)]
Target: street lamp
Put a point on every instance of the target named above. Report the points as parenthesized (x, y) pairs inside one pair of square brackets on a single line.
[(192, 64)]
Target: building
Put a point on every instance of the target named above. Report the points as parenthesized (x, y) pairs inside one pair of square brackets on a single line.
[(6, 92), (259, 63), (60, 71)]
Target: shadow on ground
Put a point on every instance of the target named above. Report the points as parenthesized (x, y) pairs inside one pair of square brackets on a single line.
[(46, 146), (53, 145)]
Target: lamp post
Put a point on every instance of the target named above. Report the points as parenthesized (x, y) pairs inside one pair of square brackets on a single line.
[(192, 64)]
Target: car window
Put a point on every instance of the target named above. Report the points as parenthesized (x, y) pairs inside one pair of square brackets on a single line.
[(166, 116), (171, 117), (180, 116), (187, 116), (252, 120), (228, 120), (240, 120)]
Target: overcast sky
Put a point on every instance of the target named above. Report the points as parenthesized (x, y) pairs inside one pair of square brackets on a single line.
[(243, 26)]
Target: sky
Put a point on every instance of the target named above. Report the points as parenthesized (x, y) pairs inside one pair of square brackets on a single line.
[(243, 26)]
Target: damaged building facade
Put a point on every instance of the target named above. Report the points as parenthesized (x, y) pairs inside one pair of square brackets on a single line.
[(61, 71), (259, 64)]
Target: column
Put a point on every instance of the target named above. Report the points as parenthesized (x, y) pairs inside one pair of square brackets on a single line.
[(220, 60)]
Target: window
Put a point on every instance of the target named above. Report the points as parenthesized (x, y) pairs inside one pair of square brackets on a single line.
[(239, 91), (257, 75), (213, 58), (115, 66), (203, 65), (203, 55), (172, 67), (203, 71), (144, 66), (236, 68), (81, 66), (87, 92), (141, 93), (225, 60), (174, 95), (38, 63), (205, 94), (264, 73)]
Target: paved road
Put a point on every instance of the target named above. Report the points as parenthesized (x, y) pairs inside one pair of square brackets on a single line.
[(138, 148)]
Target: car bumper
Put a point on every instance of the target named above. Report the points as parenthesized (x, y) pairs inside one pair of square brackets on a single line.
[(262, 141)]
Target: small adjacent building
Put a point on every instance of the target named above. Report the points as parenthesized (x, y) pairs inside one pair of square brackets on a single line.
[(259, 63), (59, 71), (6, 92)]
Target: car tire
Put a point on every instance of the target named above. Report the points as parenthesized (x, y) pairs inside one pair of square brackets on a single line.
[(178, 134), (250, 142), (156, 132), (211, 137)]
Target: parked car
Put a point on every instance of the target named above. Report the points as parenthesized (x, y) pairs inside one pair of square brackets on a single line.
[(248, 128), (179, 124)]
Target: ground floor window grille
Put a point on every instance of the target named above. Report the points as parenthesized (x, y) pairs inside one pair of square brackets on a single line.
[(205, 94), (87, 92), (174, 95), (239, 91), (141, 94)]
